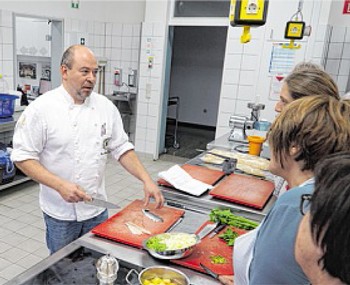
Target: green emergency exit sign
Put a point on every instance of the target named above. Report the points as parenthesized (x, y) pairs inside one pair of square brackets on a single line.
[(75, 4)]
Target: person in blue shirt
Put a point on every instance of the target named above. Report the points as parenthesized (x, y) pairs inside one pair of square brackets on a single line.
[(306, 131)]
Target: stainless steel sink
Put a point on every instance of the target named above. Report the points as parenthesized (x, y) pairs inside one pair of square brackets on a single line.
[(124, 94)]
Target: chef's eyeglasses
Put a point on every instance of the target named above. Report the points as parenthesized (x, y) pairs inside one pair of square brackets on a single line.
[(305, 201)]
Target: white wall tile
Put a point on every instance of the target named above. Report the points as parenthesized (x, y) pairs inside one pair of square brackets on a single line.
[(117, 29), (227, 105), (344, 67), (318, 49), (347, 35), (140, 134), (247, 77), (338, 34), (99, 28), (141, 121), (159, 29), (140, 145), (6, 19), (346, 51), (151, 135), (7, 52), (142, 108), (229, 91), (127, 30), (126, 42), (83, 26), (220, 131), (126, 55), (7, 67), (233, 61), (230, 76), (7, 35), (147, 29), (109, 28), (136, 30), (342, 82), (332, 66), (241, 108), (116, 41), (152, 122), (234, 33), (250, 62), (335, 50), (246, 92), (153, 109), (320, 33), (155, 71), (234, 47), (75, 25), (135, 43)]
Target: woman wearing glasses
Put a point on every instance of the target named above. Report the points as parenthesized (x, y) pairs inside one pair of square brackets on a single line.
[(307, 130), (322, 243)]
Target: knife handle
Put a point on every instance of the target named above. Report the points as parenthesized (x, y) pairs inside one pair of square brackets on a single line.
[(217, 230)]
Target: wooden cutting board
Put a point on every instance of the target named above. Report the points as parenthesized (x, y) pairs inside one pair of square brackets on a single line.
[(207, 248), (201, 173), (243, 189), (114, 228)]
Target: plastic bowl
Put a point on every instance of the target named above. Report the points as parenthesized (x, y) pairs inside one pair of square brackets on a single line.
[(171, 253)]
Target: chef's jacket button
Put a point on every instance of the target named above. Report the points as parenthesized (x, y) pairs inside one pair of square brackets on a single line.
[(95, 125), (97, 143), (71, 107)]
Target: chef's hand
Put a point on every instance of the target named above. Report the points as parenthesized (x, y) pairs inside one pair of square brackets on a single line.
[(226, 279), (152, 190), (73, 193)]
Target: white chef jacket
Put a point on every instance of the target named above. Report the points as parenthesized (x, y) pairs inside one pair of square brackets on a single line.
[(70, 141)]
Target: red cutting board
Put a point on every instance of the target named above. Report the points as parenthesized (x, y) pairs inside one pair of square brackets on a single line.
[(206, 175), (243, 189), (209, 247), (114, 228)]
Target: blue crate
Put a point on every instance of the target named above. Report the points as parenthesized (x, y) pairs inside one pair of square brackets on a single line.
[(7, 105)]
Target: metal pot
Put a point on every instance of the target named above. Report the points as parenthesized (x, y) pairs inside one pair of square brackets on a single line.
[(163, 272)]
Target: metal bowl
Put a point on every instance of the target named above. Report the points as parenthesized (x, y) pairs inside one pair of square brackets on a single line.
[(163, 272), (171, 253)]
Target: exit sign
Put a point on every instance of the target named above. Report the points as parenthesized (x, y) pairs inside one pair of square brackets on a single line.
[(346, 9), (75, 4)]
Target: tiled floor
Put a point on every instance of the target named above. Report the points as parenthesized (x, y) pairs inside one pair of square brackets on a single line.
[(22, 234)]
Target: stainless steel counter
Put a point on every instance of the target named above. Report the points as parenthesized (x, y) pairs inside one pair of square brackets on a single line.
[(138, 257), (207, 202)]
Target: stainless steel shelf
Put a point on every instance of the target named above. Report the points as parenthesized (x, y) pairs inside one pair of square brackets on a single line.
[(17, 180)]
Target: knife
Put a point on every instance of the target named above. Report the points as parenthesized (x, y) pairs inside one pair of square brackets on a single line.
[(209, 271), (217, 230), (101, 203), (207, 230)]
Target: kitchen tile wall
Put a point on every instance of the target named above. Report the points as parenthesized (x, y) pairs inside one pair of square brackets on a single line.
[(337, 62), (150, 87), (6, 46)]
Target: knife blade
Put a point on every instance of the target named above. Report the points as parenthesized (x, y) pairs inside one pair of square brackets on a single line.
[(209, 271), (207, 230), (152, 216), (217, 230), (101, 203)]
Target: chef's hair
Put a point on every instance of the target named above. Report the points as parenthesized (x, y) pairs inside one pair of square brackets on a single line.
[(315, 125), (306, 81), (330, 214), (307, 65), (68, 55)]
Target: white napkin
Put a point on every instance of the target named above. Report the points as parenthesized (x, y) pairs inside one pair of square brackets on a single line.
[(181, 180)]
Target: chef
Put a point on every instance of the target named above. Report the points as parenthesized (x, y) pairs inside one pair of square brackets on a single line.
[(62, 140)]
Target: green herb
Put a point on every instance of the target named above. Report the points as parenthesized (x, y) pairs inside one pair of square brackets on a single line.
[(226, 217), (229, 236), (156, 244), (218, 259)]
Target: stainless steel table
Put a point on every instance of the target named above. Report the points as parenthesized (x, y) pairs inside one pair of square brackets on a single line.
[(125, 254)]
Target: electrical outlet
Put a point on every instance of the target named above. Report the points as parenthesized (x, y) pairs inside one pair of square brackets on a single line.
[(148, 90)]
